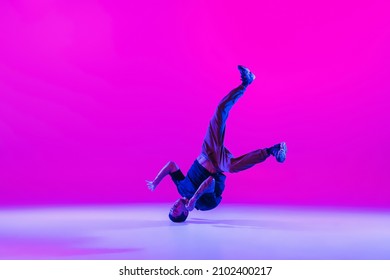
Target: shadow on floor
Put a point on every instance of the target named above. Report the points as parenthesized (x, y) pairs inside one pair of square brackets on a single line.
[(16, 248), (243, 223)]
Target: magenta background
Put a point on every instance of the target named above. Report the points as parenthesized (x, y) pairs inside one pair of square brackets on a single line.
[(96, 96)]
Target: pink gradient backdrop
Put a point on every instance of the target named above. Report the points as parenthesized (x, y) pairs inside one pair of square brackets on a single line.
[(95, 96)]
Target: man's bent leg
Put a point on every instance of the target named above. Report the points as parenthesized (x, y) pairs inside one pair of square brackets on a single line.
[(232, 164), (236, 164)]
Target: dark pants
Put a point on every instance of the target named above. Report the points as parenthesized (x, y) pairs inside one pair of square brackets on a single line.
[(213, 147)]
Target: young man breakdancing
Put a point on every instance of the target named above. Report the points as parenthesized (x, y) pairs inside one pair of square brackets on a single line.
[(203, 186)]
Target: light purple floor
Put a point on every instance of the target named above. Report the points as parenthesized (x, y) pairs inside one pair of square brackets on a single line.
[(228, 232)]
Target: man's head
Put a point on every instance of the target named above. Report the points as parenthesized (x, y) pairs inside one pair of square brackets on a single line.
[(179, 212)]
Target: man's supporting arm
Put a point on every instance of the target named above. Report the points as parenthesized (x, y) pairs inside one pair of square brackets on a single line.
[(170, 167), (206, 187)]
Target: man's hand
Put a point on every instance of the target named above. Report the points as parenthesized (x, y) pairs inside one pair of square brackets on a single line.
[(169, 168), (191, 204), (205, 187), (150, 184)]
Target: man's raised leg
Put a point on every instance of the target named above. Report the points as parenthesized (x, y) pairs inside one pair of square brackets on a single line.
[(213, 142)]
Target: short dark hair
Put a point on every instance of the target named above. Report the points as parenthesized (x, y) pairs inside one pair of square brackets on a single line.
[(179, 219)]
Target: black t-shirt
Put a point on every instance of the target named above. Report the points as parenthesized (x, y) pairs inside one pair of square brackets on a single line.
[(188, 185)]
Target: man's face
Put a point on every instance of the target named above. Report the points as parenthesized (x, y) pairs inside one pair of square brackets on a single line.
[(179, 207)]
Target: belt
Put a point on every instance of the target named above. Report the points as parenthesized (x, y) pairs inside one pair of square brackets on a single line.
[(206, 163)]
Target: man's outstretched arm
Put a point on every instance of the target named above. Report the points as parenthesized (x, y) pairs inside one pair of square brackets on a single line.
[(170, 167), (205, 187)]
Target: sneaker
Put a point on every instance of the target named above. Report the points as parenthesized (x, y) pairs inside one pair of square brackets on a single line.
[(281, 153), (247, 76)]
